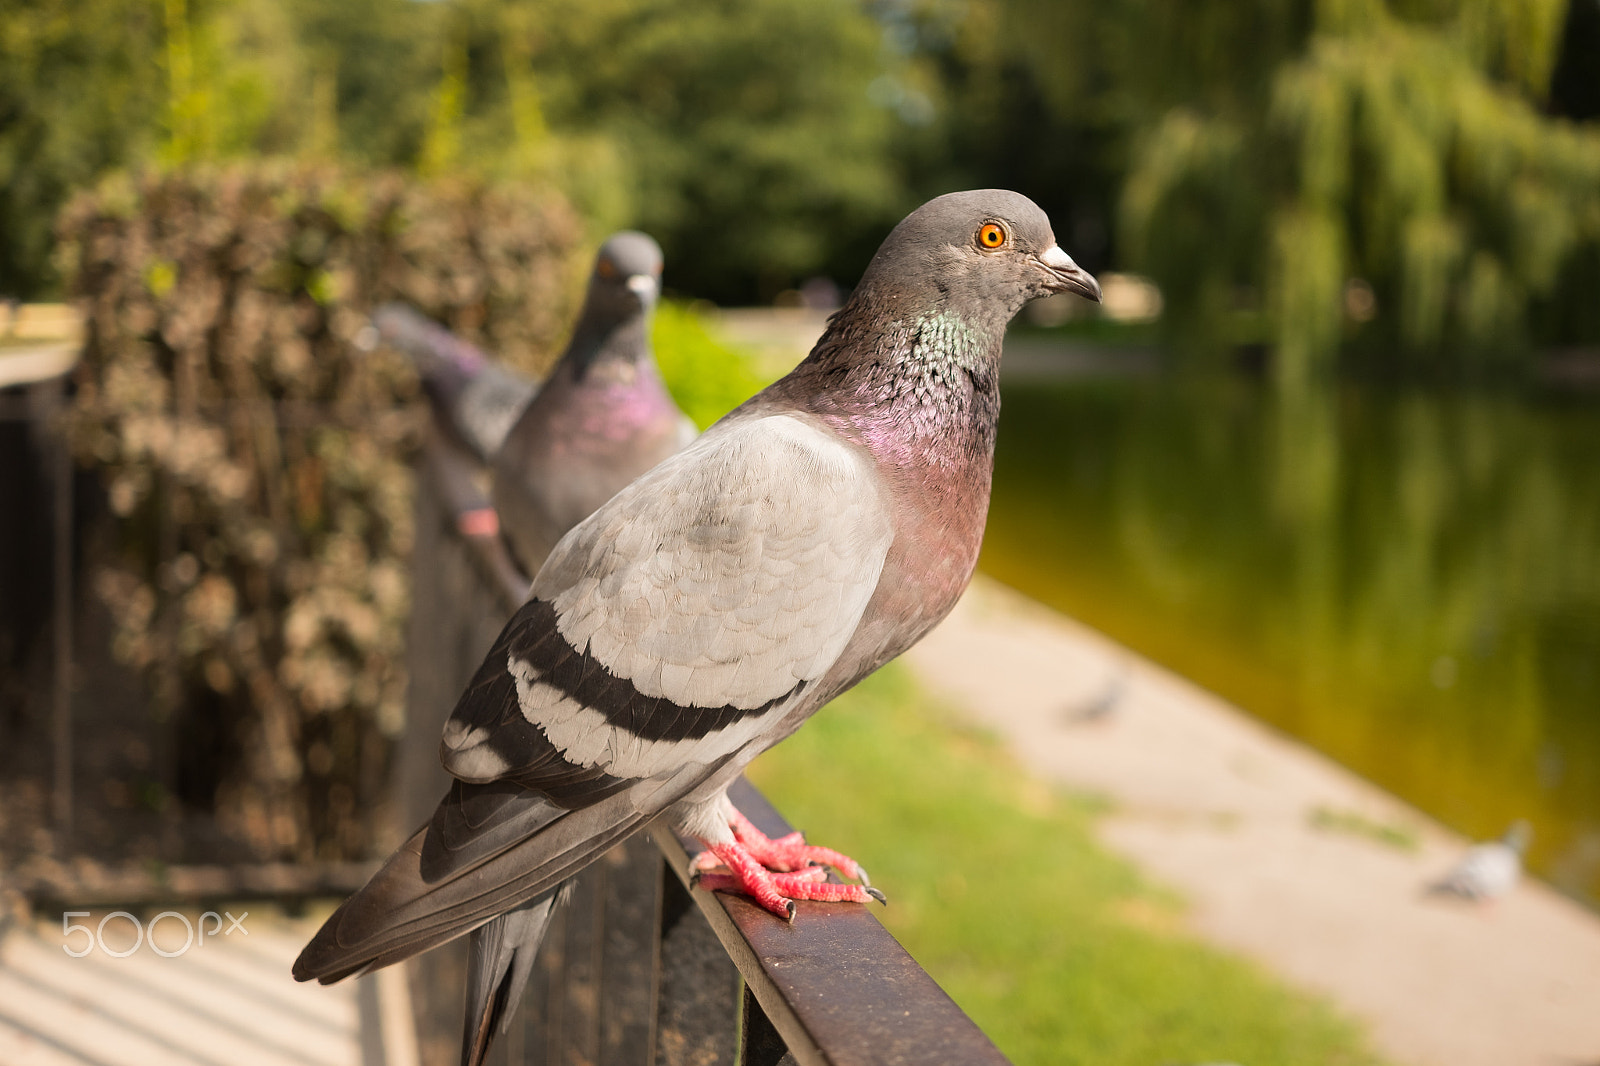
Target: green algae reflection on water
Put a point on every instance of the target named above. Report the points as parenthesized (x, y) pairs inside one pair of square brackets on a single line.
[(1407, 580)]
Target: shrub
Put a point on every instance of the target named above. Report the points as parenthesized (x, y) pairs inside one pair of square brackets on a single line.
[(255, 458)]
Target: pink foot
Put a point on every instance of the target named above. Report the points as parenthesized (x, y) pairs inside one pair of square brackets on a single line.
[(784, 854), (726, 882), (478, 522), (776, 872), (778, 891)]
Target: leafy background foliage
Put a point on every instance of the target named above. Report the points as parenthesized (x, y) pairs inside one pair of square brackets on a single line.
[(1263, 160), (256, 458)]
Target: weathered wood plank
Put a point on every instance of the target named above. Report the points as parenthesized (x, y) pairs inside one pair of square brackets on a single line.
[(838, 988), (700, 990), (630, 953), (139, 886)]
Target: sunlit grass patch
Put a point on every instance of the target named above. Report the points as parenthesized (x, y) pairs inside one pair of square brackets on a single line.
[(1336, 820), (1061, 951), (705, 376)]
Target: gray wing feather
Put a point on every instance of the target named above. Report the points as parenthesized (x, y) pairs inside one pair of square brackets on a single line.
[(476, 397), (489, 406), (679, 622), (500, 961), (400, 913)]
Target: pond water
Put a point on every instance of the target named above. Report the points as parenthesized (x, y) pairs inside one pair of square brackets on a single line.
[(1408, 580)]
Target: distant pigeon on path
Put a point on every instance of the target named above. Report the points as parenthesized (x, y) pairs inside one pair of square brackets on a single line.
[(1490, 870), (1099, 707), (709, 608), (601, 418), (474, 396)]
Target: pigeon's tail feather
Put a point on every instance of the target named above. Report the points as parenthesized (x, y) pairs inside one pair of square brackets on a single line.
[(368, 930), (500, 961), (1453, 885), (472, 395), (400, 912), (440, 355)]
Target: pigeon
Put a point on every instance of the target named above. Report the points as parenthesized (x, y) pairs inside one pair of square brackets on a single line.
[(1102, 705), (1488, 870), (601, 418), (474, 397), (559, 449), (704, 612)]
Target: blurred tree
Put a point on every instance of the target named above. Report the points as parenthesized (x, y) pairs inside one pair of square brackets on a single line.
[(1575, 85), (1399, 153), (743, 135), (233, 71), (995, 93), (386, 59), (1305, 174), (1056, 99), (1314, 164), (78, 94), (748, 137)]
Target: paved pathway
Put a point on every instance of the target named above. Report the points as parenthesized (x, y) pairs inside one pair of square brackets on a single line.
[(228, 1001), (1225, 809)]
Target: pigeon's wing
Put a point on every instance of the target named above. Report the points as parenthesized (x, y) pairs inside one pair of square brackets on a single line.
[(1486, 871), (489, 405), (473, 396), (680, 620), (666, 633), (499, 962)]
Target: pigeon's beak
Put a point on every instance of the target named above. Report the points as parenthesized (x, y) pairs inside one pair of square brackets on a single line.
[(1068, 276), (644, 286)]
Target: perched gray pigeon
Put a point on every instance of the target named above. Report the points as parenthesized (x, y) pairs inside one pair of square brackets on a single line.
[(705, 611), (473, 395), (601, 418), (1489, 870)]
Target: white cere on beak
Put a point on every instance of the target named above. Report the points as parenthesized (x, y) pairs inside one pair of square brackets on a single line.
[(643, 284), (1054, 258)]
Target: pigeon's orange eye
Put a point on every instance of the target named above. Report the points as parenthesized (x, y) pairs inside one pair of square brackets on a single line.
[(606, 268), (991, 235)]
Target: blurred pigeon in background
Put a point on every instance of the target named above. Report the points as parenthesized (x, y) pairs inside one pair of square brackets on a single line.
[(1103, 704), (560, 448), (474, 397), (705, 611), (601, 418), (1490, 870)]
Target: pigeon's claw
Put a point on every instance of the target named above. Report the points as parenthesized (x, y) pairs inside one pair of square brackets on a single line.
[(775, 872), (791, 852), (777, 891)]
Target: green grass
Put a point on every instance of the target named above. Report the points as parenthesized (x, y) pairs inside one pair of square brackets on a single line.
[(1058, 949), (706, 377), (1391, 834)]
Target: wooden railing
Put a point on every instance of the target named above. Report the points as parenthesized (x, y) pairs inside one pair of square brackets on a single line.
[(638, 969)]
